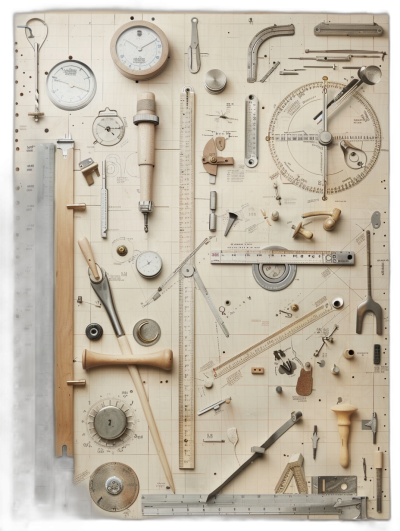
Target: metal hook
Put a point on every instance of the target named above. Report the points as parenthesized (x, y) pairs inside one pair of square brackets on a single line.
[(29, 29), (31, 33)]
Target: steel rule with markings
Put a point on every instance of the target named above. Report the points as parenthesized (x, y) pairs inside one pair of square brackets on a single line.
[(34, 332), (276, 337), (345, 506), (251, 132), (186, 283), (281, 256)]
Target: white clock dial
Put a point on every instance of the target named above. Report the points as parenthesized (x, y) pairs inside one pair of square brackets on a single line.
[(71, 85), (149, 264), (108, 129), (139, 48)]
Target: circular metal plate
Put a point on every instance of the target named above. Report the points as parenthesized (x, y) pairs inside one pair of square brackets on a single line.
[(114, 487), (110, 422), (274, 277), (106, 435), (147, 332)]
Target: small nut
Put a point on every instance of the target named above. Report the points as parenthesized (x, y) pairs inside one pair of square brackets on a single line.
[(122, 250), (294, 307)]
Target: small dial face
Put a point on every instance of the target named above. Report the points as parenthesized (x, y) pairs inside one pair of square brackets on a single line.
[(108, 130), (139, 48), (149, 264), (71, 85)]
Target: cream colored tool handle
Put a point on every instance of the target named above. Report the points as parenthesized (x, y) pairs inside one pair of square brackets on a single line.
[(64, 301), (344, 412), (378, 459), (146, 158), (137, 380), (88, 254), (161, 360)]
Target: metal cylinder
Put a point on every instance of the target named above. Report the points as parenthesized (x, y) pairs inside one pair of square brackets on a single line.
[(215, 81)]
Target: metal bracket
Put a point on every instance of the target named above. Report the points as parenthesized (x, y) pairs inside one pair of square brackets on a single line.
[(376, 219), (88, 167), (348, 30)]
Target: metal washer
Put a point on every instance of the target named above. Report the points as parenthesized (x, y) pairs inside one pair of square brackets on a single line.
[(147, 332), (280, 282), (114, 486)]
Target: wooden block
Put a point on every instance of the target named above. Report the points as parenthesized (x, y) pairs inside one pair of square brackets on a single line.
[(257, 370)]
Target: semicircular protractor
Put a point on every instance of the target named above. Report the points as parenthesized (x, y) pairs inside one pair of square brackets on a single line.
[(114, 487), (297, 153)]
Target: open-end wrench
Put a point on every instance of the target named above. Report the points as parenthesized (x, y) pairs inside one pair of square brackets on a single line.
[(369, 305)]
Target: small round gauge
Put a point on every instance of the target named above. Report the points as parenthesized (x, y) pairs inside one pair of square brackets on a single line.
[(149, 264), (139, 50), (108, 128), (71, 85)]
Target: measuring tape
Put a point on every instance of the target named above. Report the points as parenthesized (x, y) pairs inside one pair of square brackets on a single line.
[(186, 284), (345, 506), (274, 339), (251, 132), (280, 256)]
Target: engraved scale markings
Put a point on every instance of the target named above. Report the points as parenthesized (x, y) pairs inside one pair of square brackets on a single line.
[(278, 256), (186, 284), (272, 340)]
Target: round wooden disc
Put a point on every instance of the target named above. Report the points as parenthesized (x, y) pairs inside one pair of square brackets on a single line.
[(140, 75), (114, 487)]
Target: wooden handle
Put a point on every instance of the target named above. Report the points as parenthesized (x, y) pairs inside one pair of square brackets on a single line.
[(146, 146), (161, 360), (64, 301), (344, 412), (88, 254), (137, 380)]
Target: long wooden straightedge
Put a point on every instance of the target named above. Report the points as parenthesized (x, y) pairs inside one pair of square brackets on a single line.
[(272, 340), (279, 256), (186, 285), (64, 296)]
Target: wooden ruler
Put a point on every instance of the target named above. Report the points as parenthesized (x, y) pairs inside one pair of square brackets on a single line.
[(186, 284), (272, 340), (282, 256), (293, 469)]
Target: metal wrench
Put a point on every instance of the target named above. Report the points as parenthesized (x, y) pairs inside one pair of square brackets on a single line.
[(369, 305)]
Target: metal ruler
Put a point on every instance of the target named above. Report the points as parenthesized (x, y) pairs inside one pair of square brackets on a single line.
[(44, 322), (272, 340), (186, 284), (251, 132), (280, 256), (346, 507), (104, 202)]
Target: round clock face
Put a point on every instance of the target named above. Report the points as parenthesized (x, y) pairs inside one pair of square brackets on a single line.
[(71, 85), (139, 50), (108, 130), (149, 264)]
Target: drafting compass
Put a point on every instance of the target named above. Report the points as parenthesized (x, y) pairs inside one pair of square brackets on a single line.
[(108, 128), (320, 155)]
